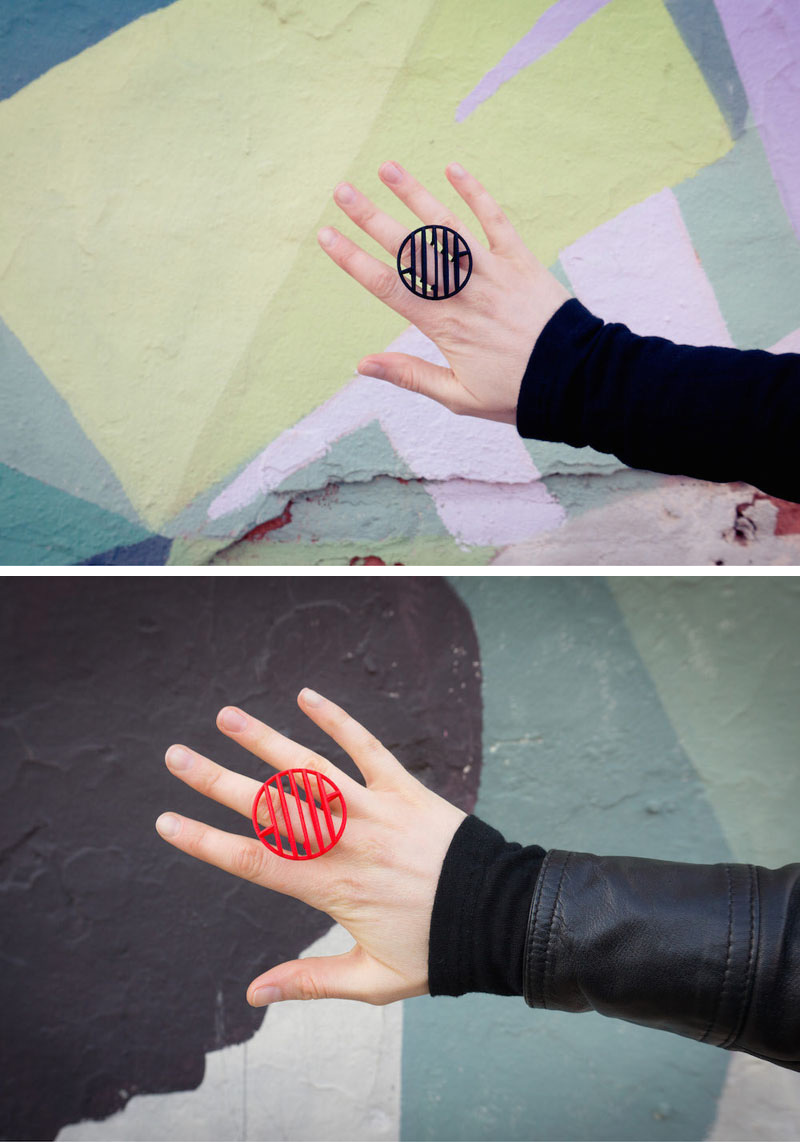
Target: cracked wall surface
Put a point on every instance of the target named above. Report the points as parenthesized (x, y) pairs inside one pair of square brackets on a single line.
[(177, 355), (647, 716)]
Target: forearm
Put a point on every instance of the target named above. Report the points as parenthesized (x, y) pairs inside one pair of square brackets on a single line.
[(711, 952), (713, 413)]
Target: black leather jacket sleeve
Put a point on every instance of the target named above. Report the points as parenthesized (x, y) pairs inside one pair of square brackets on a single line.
[(710, 951), (707, 951)]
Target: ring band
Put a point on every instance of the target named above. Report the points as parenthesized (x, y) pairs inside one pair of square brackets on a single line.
[(443, 247)]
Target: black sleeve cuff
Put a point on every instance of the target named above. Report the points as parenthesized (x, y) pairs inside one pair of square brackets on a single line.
[(480, 912)]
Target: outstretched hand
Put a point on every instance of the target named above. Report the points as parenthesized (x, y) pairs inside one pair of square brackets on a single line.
[(486, 331), (378, 881)]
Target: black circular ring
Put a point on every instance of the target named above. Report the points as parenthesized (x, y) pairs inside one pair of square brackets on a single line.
[(449, 250)]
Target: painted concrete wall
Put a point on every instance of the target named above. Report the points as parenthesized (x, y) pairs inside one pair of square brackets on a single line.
[(647, 716), (177, 355)]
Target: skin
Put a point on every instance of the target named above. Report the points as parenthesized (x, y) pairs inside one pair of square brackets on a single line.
[(379, 879), (487, 331)]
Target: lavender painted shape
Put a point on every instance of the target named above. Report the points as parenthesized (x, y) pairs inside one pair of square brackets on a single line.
[(763, 36), (640, 268), (493, 515), (547, 33)]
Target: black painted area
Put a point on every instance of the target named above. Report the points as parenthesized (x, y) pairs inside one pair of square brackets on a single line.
[(124, 961)]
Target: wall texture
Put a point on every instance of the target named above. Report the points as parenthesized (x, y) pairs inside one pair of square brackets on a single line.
[(177, 355), (653, 717)]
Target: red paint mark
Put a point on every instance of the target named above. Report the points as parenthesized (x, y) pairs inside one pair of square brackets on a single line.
[(371, 561), (788, 521), (270, 525)]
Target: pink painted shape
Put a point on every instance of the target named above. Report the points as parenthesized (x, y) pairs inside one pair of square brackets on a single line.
[(641, 269), (553, 26), (491, 515), (788, 344), (434, 443), (764, 36)]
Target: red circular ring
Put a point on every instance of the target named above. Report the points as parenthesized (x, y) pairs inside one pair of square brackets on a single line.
[(314, 825)]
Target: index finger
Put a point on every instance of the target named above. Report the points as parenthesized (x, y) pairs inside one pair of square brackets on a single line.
[(381, 280)]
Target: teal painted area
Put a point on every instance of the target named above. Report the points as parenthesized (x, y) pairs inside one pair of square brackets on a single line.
[(552, 457), (356, 458), (746, 243), (701, 30), (40, 436), (725, 659), (583, 493), (578, 753), (42, 525), (384, 509), (558, 272)]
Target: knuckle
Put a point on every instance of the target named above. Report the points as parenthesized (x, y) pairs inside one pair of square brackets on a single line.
[(384, 284), (248, 862), (309, 988)]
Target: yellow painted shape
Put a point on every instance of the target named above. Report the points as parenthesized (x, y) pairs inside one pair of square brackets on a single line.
[(155, 191), (616, 112), (162, 193)]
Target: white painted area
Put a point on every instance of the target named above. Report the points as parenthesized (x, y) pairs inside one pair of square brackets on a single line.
[(327, 1069), (758, 1101), (682, 522)]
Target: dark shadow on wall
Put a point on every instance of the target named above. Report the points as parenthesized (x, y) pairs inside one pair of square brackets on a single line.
[(124, 961)]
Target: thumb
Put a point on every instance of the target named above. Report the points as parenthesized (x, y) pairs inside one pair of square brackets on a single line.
[(352, 975), (435, 381)]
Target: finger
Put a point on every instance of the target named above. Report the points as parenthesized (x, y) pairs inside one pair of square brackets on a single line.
[(380, 226), (281, 752), (428, 208), (352, 975), (418, 376), (503, 238), (244, 857), (377, 764), (234, 790), (381, 280)]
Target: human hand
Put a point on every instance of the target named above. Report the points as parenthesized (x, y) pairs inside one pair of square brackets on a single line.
[(378, 881), (488, 330)]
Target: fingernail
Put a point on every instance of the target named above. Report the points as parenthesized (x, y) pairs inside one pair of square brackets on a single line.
[(327, 236), (372, 370), (457, 170), (232, 720), (391, 172), (168, 825), (266, 995), (345, 193), (178, 757), (311, 698)]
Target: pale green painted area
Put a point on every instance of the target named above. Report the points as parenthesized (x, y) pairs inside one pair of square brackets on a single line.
[(553, 457), (356, 458), (746, 243), (40, 437), (419, 552), (192, 552), (724, 656), (579, 754)]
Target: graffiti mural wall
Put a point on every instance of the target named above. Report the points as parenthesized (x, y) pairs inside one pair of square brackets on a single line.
[(177, 355), (643, 716)]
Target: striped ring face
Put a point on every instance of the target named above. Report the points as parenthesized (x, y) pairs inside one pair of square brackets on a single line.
[(306, 814), (434, 262)]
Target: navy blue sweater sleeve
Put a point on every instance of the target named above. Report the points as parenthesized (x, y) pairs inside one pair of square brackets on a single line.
[(710, 412)]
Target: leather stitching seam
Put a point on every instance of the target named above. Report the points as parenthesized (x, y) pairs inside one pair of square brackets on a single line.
[(726, 974), (537, 899), (748, 973), (547, 960)]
